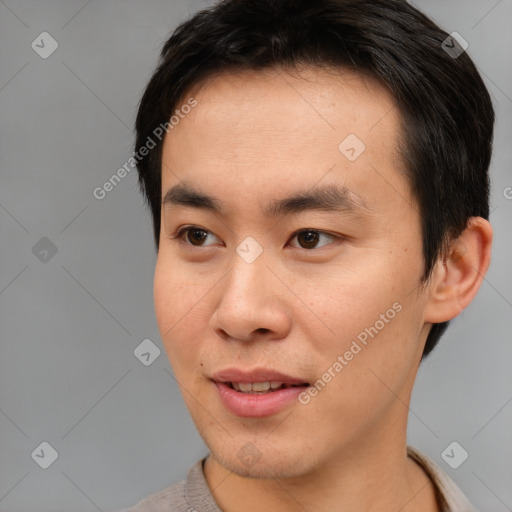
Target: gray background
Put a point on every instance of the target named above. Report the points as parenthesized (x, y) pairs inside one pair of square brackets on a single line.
[(69, 325)]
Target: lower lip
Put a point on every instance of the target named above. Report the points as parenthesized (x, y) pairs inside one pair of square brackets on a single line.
[(257, 405)]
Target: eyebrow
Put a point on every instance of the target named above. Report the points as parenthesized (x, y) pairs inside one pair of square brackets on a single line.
[(330, 197)]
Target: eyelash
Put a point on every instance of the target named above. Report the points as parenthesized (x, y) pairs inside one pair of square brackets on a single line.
[(179, 235)]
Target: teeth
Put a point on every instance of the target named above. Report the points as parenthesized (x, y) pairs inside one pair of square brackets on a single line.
[(245, 386), (256, 387)]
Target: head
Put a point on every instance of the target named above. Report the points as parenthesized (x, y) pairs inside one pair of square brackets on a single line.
[(297, 121)]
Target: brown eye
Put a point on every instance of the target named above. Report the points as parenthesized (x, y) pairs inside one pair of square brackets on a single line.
[(196, 235), (308, 238), (192, 235)]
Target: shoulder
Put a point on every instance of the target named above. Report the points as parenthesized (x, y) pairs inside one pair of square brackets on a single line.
[(451, 497), (162, 501), (191, 493)]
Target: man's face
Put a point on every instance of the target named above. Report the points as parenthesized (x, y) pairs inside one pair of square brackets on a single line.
[(293, 291)]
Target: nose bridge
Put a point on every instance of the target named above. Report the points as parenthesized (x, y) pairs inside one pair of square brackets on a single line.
[(249, 275), (249, 300)]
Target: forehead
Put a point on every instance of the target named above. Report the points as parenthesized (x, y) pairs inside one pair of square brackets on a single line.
[(274, 98), (257, 130)]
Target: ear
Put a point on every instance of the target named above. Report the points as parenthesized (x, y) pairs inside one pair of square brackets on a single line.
[(457, 277)]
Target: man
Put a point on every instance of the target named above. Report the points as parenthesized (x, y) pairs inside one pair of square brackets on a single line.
[(320, 205)]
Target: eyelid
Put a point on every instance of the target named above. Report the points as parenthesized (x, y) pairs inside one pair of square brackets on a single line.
[(180, 232)]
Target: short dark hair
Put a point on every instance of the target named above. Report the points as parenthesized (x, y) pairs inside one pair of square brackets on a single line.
[(446, 111)]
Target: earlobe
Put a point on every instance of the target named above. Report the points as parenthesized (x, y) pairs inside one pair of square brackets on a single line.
[(458, 276)]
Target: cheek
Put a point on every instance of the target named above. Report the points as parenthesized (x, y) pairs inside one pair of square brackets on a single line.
[(353, 297), (164, 295), (179, 308), (372, 309), (367, 367)]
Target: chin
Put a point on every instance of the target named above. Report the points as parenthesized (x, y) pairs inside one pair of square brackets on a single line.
[(260, 459)]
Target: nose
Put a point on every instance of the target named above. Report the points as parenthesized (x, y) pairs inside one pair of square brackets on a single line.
[(252, 303)]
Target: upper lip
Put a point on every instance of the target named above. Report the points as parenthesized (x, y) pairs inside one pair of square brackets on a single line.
[(255, 375)]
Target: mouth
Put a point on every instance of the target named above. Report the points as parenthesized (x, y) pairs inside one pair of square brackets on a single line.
[(257, 393), (260, 388)]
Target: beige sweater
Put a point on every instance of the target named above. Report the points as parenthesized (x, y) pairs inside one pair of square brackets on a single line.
[(192, 494)]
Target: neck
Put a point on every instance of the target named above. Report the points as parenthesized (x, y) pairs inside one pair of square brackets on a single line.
[(372, 475)]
